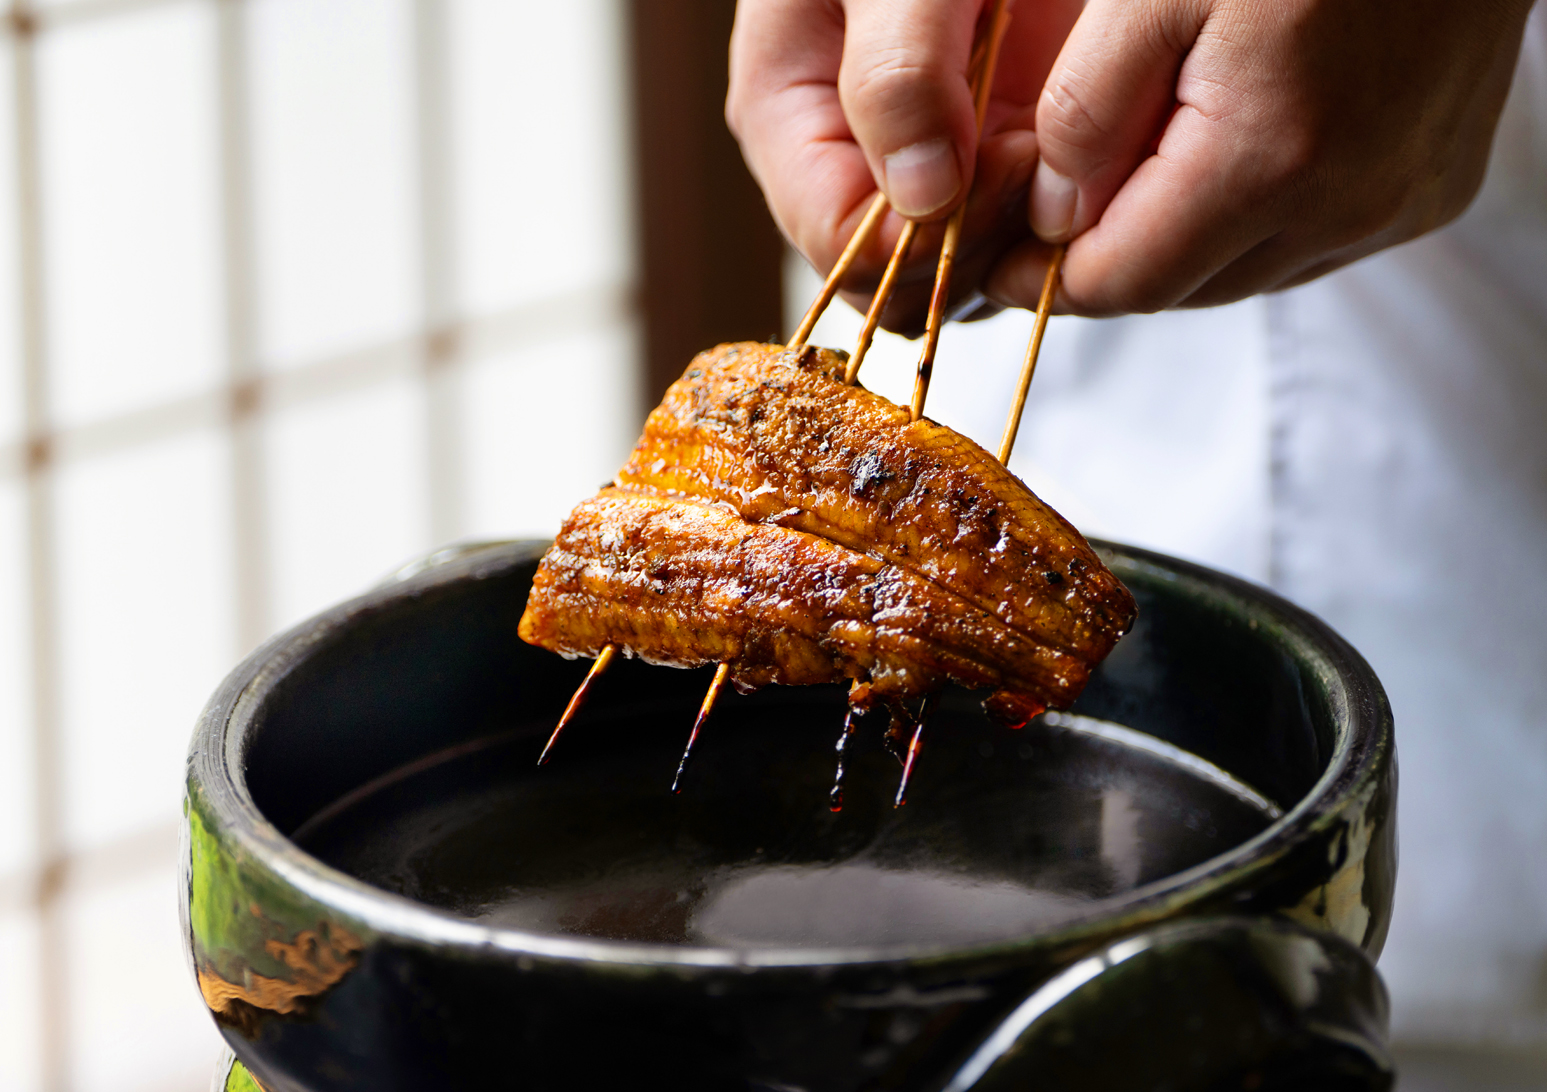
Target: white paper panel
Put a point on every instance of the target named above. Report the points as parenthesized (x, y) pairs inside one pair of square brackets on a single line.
[(146, 626), (16, 796), (11, 423), (19, 1070), (137, 1023), (346, 495), (541, 184), (130, 210), (332, 119), (544, 427)]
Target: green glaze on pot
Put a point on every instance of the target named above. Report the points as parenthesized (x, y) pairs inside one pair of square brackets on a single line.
[(259, 947), (239, 1080)]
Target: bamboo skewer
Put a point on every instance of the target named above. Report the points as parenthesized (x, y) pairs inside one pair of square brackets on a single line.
[(598, 666), (937, 298), (878, 303), (1033, 348), (845, 738), (721, 673), (873, 216), (1044, 307), (914, 746), (982, 88)]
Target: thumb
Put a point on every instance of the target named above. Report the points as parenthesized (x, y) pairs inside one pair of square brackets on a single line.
[(903, 85), (1105, 102)]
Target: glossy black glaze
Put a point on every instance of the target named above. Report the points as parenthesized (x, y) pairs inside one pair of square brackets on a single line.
[(320, 981), (1259, 1004)]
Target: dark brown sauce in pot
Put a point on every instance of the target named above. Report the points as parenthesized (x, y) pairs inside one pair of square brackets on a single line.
[(1007, 832)]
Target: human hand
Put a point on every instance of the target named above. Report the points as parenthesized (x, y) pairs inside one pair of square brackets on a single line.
[(827, 97), (1196, 151), (1201, 151)]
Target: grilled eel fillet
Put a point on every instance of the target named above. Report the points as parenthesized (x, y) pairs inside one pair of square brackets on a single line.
[(803, 530)]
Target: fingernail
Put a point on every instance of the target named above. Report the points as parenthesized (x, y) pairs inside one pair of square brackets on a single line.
[(1052, 204), (922, 177)]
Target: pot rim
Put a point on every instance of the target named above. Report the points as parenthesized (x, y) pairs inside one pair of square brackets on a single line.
[(215, 775)]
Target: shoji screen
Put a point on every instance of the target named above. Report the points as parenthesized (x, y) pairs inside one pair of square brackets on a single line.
[(290, 291)]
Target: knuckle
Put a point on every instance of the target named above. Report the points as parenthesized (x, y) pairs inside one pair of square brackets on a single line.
[(1456, 194), (735, 111), (893, 81), (1384, 202), (1448, 210), (1066, 116), (1128, 289), (1138, 298), (1294, 159), (1378, 214)]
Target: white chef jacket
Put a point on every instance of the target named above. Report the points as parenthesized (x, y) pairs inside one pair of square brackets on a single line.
[(1373, 446)]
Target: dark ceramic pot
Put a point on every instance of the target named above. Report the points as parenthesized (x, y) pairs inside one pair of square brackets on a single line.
[(1250, 970)]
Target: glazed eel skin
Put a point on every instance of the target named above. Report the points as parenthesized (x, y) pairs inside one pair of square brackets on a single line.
[(803, 531)]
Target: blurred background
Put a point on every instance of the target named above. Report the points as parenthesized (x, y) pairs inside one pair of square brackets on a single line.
[(292, 291)]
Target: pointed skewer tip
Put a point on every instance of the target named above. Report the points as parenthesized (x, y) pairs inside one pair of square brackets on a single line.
[(575, 702), (721, 673), (845, 737), (913, 754)]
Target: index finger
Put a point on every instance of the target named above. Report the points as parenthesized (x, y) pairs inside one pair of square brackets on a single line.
[(784, 108)]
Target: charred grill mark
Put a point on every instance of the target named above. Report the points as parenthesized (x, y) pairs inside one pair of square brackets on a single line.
[(867, 470)]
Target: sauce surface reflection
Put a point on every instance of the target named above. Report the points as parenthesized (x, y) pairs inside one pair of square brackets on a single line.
[(1008, 832)]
